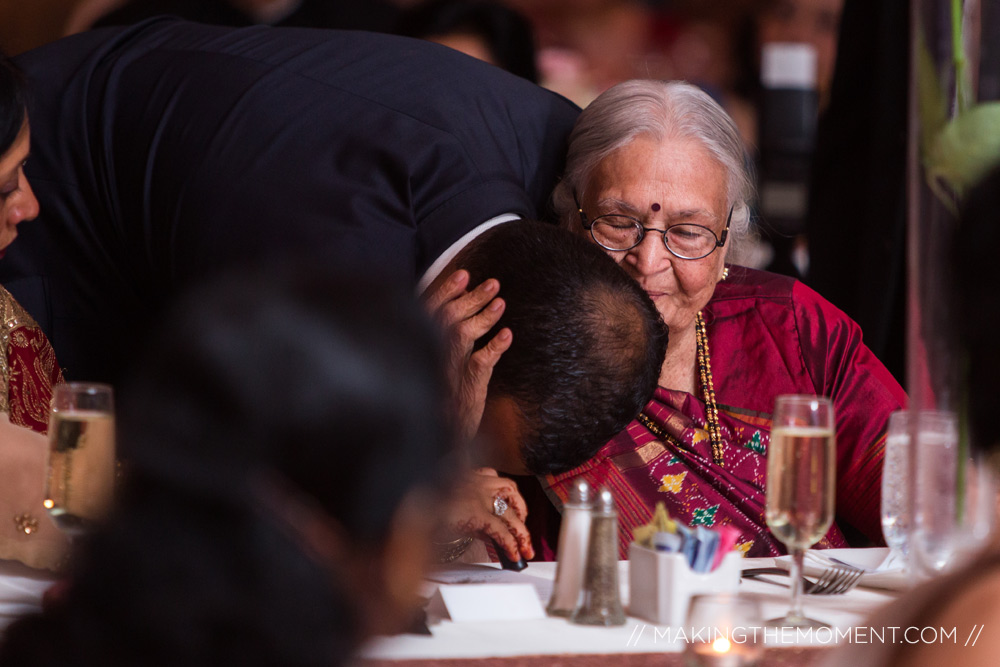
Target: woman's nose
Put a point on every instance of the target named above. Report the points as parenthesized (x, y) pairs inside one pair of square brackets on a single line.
[(26, 207), (650, 256)]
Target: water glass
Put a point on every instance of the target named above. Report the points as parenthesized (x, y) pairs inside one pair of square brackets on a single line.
[(895, 485), (953, 500)]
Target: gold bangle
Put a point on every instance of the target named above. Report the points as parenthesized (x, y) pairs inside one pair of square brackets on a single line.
[(449, 551)]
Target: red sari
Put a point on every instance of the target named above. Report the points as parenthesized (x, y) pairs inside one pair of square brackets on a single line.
[(28, 368), (767, 335)]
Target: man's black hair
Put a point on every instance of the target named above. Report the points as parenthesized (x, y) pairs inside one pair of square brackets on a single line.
[(588, 341)]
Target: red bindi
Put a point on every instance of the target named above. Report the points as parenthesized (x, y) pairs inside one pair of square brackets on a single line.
[(656, 207)]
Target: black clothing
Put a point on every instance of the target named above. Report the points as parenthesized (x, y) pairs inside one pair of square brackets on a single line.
[(166, 151), (857, 209), (377, 15)]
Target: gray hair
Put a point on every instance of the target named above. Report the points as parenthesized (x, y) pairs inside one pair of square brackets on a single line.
[(661, 110)]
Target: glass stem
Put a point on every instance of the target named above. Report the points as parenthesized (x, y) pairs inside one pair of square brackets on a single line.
[(795, 614)]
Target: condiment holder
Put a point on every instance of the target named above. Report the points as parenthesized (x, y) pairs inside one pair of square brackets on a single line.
[(661, 584)]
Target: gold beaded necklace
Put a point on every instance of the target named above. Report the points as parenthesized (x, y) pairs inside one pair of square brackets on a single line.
[(708, 393)]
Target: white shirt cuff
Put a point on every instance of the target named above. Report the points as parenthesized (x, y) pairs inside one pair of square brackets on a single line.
[(442, 261)]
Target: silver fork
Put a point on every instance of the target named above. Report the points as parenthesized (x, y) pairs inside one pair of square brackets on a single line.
[(842, 576), (831, 581), (835, 580)]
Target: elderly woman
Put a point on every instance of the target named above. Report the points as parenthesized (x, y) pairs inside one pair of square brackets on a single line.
[(28, 367), (657, 175)]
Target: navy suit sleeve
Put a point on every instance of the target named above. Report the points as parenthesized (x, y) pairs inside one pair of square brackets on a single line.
[(170, 150)]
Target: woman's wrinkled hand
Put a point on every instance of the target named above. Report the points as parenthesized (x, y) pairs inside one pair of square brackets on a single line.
[(471, 513), (467, 315)]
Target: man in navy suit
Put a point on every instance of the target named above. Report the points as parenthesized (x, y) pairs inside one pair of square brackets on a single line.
[(169, 150)]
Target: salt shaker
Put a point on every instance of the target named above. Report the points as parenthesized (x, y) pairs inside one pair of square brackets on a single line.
[(600, 603), (574, 535)]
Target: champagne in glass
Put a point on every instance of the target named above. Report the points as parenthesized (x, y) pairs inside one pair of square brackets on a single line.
[(80, 482), (801, 479)]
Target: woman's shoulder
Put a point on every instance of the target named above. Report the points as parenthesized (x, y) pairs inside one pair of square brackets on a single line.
[(12, 314), (745, 283), (753, 286)]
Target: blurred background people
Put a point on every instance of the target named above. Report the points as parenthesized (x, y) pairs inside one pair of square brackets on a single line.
[(813, 22), (490, 31), (287, 449)]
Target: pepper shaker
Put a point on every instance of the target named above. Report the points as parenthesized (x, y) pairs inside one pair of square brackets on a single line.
[(600, 603), (574, 535)]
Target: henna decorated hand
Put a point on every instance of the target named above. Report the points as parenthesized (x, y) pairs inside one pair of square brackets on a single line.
[(471, 512), (467, 316)]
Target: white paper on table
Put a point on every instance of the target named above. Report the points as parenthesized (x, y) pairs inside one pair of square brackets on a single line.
[(469, 573), (485, 602)]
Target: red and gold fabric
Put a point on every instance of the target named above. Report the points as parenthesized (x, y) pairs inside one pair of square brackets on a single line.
[(28, 371), (768, 335), (28, 367)]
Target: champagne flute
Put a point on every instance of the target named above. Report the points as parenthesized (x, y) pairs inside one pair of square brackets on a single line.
[(801, 478), (79, 484)]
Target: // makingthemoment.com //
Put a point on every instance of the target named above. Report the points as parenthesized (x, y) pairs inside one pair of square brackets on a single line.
[(777, 636)]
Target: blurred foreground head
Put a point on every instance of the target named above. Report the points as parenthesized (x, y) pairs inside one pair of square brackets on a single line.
[(285, 439)]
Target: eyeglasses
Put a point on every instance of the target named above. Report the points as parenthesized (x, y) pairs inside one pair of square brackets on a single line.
[(623, 232)]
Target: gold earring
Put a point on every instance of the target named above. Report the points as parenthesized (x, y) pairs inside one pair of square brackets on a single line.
[(725, 273)]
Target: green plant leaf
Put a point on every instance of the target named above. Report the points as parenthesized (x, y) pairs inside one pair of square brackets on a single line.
[(965, 149), (931, 104)]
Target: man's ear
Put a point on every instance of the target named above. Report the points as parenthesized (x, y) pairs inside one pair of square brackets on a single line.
[(501, 435)]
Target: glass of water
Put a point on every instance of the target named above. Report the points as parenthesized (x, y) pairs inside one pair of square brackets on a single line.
[(895, 485), (953, 499)]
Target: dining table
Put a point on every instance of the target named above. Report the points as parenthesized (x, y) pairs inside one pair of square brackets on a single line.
[(21, 590), (552, 640)]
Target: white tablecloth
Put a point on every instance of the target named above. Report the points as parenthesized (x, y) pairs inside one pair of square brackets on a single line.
[(553, 636), (21, 590)]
